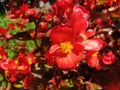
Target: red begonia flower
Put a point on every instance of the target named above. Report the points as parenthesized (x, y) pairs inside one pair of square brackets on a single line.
[(92, 59), (65, 51), (3, 54), (8, 65), (108, 58), (23, 65), (27, 81), (3, 30), (82, 10), (78, 19), (11, 26)]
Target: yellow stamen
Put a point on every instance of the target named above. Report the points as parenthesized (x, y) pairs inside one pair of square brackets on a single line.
[(30, 61), (84, 36), (95, 54), (0, 56), (27, 13), (21, 67), (66, 47)]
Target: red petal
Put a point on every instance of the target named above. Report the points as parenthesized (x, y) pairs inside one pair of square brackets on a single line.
[(92, 60), (49, 58), (8, 65), (82, 10), (61, 34), (108, 58), (3, 30), (89, 33), (68, 62), (94, 44)]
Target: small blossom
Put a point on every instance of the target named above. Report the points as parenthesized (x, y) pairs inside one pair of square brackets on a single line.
[(92, 59), (108, 58)]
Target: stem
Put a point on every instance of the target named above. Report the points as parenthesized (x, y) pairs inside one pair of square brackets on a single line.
[(36, 37), (8, 86), (36, 29)]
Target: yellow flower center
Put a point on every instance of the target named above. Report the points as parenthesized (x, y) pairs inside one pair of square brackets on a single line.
[(95, 54), (26, 13), (84, 36), (0, 56), (66, 47), (21, 67)]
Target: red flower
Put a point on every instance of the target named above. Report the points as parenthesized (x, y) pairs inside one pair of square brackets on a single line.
[(23, 65), (10, 68), (3, 30), (27, 81), (82, 10), (92, 59), (11, 26), (65, 52), (8, 65), (108, 58), (24, 11), (3, 55), (62, 7), (78, 19), (17, 68)]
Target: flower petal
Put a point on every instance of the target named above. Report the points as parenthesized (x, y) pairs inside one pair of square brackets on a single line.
[(94, 44)]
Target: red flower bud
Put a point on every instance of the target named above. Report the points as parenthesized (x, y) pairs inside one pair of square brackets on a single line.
[(108, 58)]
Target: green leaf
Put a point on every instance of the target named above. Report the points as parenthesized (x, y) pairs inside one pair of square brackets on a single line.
[(13, 32), (30, 45), (11, 53), (19, 85), (3, 84), (97, 87), (11, 42), (47, 66), (101, 2), (1, 77), (3, 21), (30, 25), (49, 25), (3, 43), (70, 84), (38, 42)]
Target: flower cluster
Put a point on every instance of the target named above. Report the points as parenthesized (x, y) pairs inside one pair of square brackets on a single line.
[(70, 39), (16, 69), (59, 36)]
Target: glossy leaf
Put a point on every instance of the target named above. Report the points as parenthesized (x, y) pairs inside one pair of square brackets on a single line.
[(70, 84), (3, 21), (30, 26), (11, 53), (30, 45), (18, 85), (3, 84), (1, 77), (3, 42), (47, 66), (97, 87), (101, 2)]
